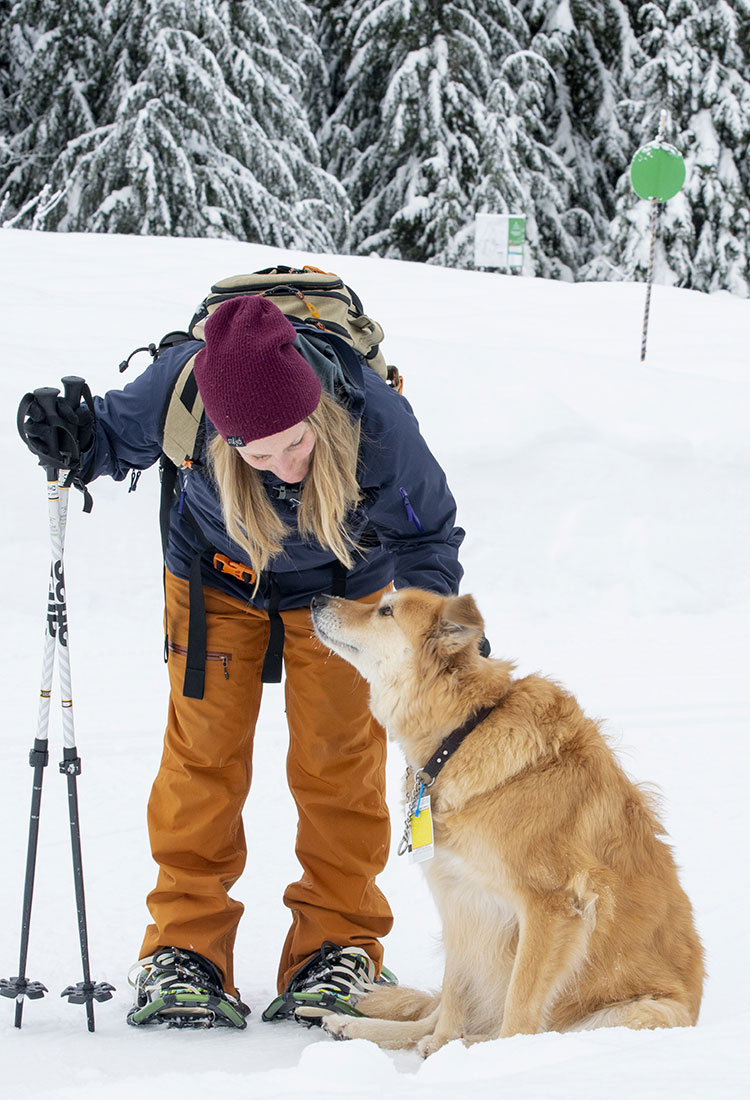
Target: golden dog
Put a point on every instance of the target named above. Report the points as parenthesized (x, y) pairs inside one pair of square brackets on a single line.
[(560, 904)]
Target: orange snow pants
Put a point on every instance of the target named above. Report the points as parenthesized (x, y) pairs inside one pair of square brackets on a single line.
[(335, 770)]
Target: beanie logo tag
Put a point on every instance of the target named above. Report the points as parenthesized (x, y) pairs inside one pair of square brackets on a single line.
[(235, 441)]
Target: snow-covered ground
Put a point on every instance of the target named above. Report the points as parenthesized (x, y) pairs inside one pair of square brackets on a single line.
[(606, 509)]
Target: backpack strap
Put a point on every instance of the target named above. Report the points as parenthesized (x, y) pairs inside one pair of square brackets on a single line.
[(195, 661), (272, 662), (338, 581), (183, 425), (271, 672)]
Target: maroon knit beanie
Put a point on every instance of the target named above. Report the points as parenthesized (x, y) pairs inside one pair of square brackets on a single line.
[(253, 382)]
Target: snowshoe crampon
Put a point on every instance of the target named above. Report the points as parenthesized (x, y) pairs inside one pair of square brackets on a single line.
[(330, 982), (179, 988)]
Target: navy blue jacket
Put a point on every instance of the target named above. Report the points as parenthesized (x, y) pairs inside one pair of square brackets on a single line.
[(405, 519)]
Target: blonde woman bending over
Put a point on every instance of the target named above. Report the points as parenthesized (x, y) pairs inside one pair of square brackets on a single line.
[(314, 478)]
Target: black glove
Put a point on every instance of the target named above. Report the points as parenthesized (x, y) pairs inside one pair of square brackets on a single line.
[(54, 430), (484, 646)]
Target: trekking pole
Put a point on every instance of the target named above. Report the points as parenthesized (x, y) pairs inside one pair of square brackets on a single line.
[(56, 640), (85, 992), (19, 987)]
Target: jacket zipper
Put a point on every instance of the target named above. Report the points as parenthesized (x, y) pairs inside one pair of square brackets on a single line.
[(225, 658)]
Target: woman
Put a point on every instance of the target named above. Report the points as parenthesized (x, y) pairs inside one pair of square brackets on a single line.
[(314, 479)]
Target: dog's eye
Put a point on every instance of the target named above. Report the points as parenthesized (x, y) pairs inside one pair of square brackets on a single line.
[(387, 610)]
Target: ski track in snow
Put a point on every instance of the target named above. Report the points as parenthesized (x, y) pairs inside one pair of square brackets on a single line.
[(605, 503)]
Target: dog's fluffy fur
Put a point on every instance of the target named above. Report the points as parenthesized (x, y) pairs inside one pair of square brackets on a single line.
[(560, 904)]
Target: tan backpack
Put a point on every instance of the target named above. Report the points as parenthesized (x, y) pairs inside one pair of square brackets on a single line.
[(319, 298)]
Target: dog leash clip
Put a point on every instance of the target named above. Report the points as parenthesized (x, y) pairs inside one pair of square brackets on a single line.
[(412, 807)]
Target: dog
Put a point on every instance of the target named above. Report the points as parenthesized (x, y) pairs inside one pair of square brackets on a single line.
[(560, 901)]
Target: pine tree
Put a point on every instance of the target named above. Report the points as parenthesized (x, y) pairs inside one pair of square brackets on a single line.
[(5, 63), (54, 77), (439, 115), (333, 34), (6, 80), (405, 135), (521, 172), (591, 48), (696, 65), (202, 130), (285, 79)]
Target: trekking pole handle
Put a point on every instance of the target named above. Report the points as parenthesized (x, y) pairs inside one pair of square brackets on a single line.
[(74, 387), (45, 396)]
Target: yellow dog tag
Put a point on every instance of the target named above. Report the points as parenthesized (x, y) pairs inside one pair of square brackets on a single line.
[(421, 841)]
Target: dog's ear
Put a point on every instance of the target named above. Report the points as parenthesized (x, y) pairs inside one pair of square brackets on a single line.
[(460, 624)]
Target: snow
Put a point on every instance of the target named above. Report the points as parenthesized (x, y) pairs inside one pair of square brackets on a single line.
[(605, 502)]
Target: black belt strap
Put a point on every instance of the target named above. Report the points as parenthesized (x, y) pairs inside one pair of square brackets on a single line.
[(271, 673)]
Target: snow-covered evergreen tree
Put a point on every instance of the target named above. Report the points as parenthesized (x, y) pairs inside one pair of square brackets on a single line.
[(520, 170), (273, 51), (204, 117), (333, 34), (697, 67), (439, 116), (591, 48), (202, 130), (54, 80), (5, 86), (5, 60), (405, 136)]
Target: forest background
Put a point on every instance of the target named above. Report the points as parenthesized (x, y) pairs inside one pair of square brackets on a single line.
[(381, 127)]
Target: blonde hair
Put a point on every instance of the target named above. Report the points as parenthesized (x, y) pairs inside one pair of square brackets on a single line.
[(330, 490)]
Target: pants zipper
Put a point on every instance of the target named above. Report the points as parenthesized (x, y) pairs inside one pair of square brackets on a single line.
[(225, 658)]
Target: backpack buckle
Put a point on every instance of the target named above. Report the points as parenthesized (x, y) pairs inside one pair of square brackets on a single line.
[(236, 568)]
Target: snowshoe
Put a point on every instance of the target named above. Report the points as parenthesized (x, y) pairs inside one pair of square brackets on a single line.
[(331, 981), (179, 988)]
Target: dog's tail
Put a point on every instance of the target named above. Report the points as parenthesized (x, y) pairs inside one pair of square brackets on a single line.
[(397, 1002)]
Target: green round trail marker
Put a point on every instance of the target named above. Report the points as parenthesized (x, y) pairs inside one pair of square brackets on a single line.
[(657, 171)]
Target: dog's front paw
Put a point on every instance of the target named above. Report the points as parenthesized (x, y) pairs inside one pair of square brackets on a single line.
[(431, 1043), (336, 1026)]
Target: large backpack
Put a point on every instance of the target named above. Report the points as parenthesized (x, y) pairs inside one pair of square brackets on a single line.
[(314, 299), (318, 298)]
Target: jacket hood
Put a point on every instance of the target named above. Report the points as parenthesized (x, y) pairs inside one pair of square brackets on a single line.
[(337, 366)]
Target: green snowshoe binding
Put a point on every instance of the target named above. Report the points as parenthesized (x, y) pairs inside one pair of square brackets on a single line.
[(179, 988), (331, 981)]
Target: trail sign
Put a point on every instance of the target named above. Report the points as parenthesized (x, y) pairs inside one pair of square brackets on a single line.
[(499, 240)]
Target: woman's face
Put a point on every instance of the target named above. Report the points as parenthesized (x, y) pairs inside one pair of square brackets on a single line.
[(287, 454)]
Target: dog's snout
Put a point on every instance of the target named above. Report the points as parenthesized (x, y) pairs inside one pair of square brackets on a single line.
[(317, 603)]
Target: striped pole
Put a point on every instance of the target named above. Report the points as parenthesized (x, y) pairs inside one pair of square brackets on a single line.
[(650, 280), (652, 245), (55, 645), (85, 992), (19, 986)]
